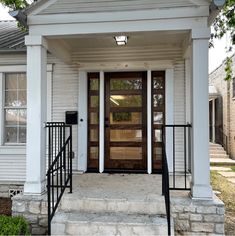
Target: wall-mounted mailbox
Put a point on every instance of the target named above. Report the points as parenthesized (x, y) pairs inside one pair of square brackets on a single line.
[(71, 117)]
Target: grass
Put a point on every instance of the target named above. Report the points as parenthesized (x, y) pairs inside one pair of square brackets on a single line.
[(233, 168), (227, 189)]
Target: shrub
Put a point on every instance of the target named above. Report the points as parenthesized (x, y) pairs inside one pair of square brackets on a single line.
[(13, 226)]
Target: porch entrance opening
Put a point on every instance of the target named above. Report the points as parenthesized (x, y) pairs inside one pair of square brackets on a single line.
[(126, 121)]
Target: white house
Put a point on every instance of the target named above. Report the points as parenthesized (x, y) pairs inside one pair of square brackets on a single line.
[(131, 69)]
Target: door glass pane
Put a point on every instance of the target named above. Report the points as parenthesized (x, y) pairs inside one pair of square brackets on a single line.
[(158, 118), (94, 135), (94, 84), (94, 152), (158, 100), (157, 135), (157, 153), (94, 118), (128, 84), (126, 135), (125, 118), (158, 82), (94, 101), (22, 98), (125, 101), (126, 153)]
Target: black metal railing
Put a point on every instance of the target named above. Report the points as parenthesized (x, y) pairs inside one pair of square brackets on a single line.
[(179, 154), (165, 184), (59, 173)]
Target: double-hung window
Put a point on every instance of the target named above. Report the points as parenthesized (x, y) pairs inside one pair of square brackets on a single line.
[(15, 101)]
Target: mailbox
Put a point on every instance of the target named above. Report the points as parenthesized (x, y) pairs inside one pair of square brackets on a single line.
[(71, 117)]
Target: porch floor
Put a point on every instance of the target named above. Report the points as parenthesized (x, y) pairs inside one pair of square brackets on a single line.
[(117, 186)]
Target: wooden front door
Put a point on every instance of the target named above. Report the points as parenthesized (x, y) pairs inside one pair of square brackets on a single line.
[(126, 121)]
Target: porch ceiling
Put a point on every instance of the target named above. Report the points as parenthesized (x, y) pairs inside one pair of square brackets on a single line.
[(142, 46), (134, 40)]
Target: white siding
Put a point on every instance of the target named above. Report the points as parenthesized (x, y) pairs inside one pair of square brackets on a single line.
[(65, 96), (81, 6), (179, 111)]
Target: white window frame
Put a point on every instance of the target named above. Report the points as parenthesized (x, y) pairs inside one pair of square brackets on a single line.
[(20, 69)]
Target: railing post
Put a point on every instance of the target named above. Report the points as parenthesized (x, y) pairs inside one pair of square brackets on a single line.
[(163, 188), (71, 158)]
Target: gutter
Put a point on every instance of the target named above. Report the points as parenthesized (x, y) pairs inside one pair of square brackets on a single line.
[(215, 8)]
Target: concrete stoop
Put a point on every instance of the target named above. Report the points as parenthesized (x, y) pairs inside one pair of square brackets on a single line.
[(109, 216), (102, 224)]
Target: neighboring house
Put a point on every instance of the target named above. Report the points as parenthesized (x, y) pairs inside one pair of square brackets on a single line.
[(224, 108), (126, 91)]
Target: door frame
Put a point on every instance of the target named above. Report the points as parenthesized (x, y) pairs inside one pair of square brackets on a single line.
[(82, 110), (143, 162)]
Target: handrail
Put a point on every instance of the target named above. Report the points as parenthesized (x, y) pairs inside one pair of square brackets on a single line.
[(59, 173), (165, 183), (174, 133)]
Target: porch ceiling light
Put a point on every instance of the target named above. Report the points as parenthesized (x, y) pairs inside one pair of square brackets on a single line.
[(121, 40)]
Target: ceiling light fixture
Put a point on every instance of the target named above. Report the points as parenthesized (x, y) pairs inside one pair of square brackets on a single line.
[(121, 40)]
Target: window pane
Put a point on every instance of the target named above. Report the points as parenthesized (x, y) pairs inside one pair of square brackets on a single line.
[(125, 101), (125, 118), (22, 134), (22, 116), (11, 99), (22, 81), (94, 152), (11, 116), (126, 153), (128, 84), (126, 135), (22, 98), (11, 135), (158, 118), (11, 81)]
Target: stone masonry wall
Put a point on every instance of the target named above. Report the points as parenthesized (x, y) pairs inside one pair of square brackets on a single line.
[(197, 217), (34, 210), (8, 189)]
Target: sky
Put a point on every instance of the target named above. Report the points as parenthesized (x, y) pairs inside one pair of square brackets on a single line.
[(216, 54)]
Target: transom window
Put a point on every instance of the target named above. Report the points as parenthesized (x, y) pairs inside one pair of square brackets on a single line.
[(15, 101)]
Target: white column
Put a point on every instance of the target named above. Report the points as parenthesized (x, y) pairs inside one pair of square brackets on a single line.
[(169, 116), (101, 119), (149, 121), (213, 120), (82, 121), (201, 188), (36, 115)]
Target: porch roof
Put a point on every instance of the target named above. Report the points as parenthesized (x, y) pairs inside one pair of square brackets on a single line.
[(12, 38)]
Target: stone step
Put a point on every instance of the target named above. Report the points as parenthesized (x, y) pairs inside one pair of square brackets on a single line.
[(152, 205), (219, 156), (216, 148), (222, 161), (217, 152), (102, 224)]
